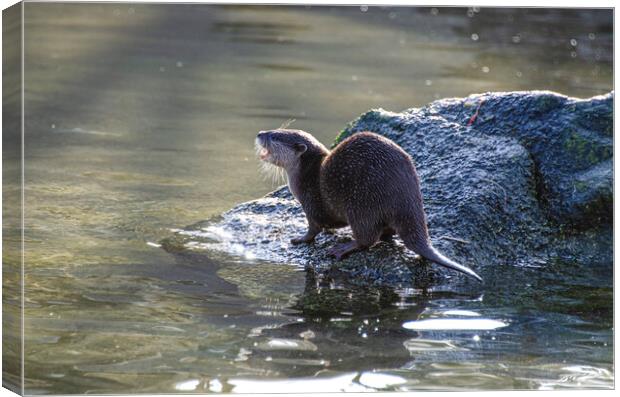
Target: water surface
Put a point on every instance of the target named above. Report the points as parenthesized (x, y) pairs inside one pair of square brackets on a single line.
[(141, 118)]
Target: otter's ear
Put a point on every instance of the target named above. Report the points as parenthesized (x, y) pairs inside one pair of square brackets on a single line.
[(300, 148)]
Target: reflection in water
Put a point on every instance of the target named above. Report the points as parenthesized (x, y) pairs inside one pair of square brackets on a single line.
[(141, 118)]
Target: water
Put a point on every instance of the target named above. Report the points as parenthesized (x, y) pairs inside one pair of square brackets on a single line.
[(141, 119)]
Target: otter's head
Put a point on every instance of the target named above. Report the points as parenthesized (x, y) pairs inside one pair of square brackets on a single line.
[(287, 148)]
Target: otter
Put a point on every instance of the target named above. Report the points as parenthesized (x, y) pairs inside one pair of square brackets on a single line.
[(367, 182)]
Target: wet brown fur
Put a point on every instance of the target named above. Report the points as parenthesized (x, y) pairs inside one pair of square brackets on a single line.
[(367, 182)]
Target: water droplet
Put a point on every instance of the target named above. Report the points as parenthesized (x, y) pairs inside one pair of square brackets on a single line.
[(354, 78), (485, 69), (428, 82), (573, 54), (392, 15), (573, 42), (364, 8), (364, 335), (131, 11), (179, 64), (476, 9), (519, 74), (470, 13), (476, 338), (53, 125), (434, 11), (591, 36), (516, 39), (475, 37)]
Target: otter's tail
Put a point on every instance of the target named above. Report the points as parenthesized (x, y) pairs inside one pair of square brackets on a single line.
[(430, 253)]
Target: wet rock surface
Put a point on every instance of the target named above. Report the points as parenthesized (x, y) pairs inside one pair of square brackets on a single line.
[(520, 179)]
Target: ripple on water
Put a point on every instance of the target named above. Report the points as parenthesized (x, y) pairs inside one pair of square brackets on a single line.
[(333, 384), (465, 378), (300, 361), (572, 377), (454, 324), (428, 345), (286, 344)]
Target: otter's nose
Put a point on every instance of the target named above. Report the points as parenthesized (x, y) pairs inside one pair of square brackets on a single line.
[(263, 136)]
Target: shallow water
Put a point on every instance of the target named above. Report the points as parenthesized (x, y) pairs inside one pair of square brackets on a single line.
[(141, 118)]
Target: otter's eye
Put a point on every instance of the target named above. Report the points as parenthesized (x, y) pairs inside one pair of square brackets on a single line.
[(300, 148)]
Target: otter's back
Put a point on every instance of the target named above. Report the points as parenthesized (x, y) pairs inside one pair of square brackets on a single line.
[(368, 171)]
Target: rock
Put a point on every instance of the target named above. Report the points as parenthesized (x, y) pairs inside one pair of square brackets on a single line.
[(568, 139), (526, 182)]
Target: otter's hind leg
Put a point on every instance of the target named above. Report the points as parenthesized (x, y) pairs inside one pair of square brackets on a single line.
[(365, 236), (343, 250)]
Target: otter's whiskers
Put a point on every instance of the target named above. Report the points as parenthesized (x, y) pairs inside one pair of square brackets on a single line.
[(270, 172)]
